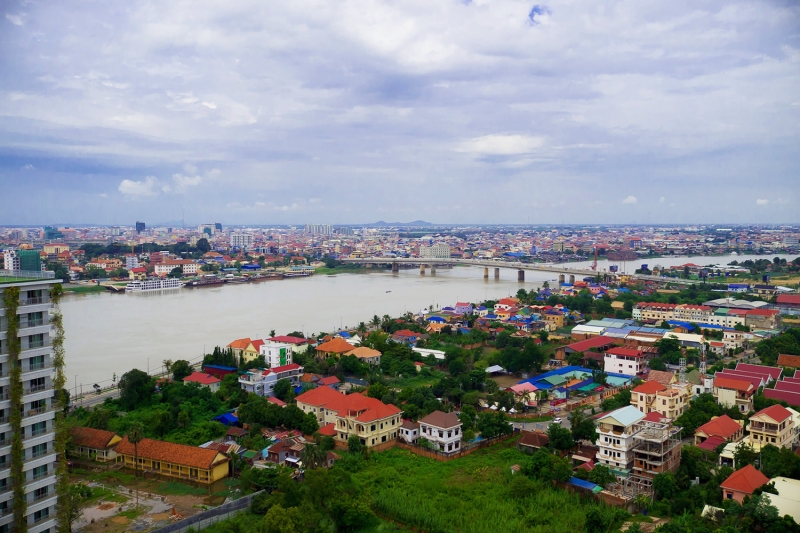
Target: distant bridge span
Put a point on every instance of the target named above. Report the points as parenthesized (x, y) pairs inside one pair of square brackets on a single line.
[(497, 265)]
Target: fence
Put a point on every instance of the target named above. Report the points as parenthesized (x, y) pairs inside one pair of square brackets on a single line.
[(33, 274), (212, 516), (444, 456)]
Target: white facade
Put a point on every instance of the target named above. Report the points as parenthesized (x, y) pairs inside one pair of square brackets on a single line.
[(276, 354), (623, 361), (435, 251), (242, 240), (131, 261), (37, 407), (187, 267), (615, 438), (10, 260), (259, 382), (442, 430)]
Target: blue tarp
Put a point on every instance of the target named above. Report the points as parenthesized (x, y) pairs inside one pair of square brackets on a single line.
[(220, 367), (228, 419), (588, 485)]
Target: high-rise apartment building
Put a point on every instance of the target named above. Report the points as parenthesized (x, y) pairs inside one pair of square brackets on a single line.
[(22, 260), (37, 463), (319, 229), (140, 226), (243, 241), (435, 251)]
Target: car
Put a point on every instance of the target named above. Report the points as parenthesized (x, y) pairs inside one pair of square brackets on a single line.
[(557, 420)]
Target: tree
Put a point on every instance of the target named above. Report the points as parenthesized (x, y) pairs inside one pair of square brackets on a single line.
[(176, 272), (543, 335), (744, 454), (597, 521), (354, 445), (78, 493), (601, 475), (282, 389), (665, 486), (492, 424), (167, 363), (560, 437), (574, 359), (202, 245), (135, 436), (310, 424), (135, 389), (313, 456), (582, 428), (180, 369)]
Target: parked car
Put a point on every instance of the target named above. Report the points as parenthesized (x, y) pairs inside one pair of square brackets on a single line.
[(557, 420)]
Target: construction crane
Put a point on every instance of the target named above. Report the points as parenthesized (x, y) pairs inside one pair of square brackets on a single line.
[(594, 263)]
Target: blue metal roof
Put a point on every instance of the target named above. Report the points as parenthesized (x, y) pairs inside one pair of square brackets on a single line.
[(588, 485), (228, 419)]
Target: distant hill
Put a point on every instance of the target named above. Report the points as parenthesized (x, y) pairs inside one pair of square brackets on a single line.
[(415, 223)]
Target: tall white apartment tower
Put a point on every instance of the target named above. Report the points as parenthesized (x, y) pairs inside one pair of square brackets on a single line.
[(37, 430)]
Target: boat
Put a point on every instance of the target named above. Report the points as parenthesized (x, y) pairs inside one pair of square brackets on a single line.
[(295, 272), (154, 285), (206, 281)]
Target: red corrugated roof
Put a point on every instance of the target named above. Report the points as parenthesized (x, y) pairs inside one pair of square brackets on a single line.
[(711, 443), (793, 299), (776, 412), (626, 352), (745, 480), (201, 378), (97, 439), (792, 398), (772, 371), (288, 339), (591, 342), (734, 384)]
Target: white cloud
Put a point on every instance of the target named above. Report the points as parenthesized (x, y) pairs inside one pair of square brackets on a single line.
[(630, 200), (662, 200), (28, 167), (762, 201), (210, 105), (182, 183), (139, 188), (190, 168), (16, 20), (501, 144)]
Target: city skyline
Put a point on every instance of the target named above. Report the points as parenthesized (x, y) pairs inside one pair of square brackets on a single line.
[(460, 113)]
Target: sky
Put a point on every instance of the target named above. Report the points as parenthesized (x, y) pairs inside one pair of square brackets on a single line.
[(454, 111)]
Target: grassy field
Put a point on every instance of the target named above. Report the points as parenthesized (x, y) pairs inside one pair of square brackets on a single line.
[(349, 270), (84, 289), (473, 494)]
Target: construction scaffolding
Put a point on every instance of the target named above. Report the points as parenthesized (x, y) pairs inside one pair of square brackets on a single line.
[(656, 450)]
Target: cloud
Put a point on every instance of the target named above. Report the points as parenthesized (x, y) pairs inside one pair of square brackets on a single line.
[(762, 201), (148, 187), (183, 183), (501, 145), (662, 200), (538, 11), (16, 20), (630, 200), (28, 167)]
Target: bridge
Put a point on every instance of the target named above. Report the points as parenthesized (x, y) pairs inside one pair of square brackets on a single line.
[(562, 269)]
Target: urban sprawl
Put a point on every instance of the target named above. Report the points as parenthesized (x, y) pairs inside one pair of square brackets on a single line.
[(640, 396)]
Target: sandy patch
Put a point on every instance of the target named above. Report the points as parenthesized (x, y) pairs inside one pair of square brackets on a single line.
[(122, 520)]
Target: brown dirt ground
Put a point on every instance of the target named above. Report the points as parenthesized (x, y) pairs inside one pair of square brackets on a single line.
[(505, 380)]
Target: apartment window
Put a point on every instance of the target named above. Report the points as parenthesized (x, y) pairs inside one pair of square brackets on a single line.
[(5, 461), (36, 363), (40, 494), (37, 385), (35, 319), (33, 297), (39, 450), (39, 472), (372, 427), (38, 516), (36, 341), (38, 428)]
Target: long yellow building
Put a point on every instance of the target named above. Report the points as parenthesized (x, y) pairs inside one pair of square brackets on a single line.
[(174, 460)]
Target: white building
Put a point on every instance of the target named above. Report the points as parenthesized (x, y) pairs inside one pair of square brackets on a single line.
[(10, 260), (187, 267), (262, 381), (131, 261), (628, 361), (615, 438), (443, 430), (435, 251), (37, 462), (276, 354), (243, 241)]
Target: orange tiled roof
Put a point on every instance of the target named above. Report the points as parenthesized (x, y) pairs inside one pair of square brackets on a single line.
[(170, 452), (240, 344), (789, 360), (776, 412), (746, 480), (336, 345), (722, 426), (363, 351), (662, 376), (649, 387), (97, 439), (735, 384), (363, 408)]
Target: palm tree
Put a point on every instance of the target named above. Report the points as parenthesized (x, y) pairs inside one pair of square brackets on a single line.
[(376, 321), (167, 365), (135, 436), (313, 457), (362, 329)]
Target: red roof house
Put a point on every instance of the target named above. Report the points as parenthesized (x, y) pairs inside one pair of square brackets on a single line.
[(742, 483)]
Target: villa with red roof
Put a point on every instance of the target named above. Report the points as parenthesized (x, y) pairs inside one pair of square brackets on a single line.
[(204, 380), (772, 425), (373, 421), (730, 392), (742, 483), (629, 361), (718, 430), (654, 397)]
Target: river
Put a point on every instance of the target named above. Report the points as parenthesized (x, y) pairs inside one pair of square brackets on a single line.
[(109, 334)]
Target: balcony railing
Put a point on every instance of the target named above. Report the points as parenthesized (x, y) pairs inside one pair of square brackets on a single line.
[(38, 366), (41, 518), (31, 301), (40, 475), (6, 511), (37, 411), (37, 388), (5, 442), (36, 455), (762, 429), (40, 497)]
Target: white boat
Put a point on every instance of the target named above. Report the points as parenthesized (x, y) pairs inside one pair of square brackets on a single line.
[(154, 285)]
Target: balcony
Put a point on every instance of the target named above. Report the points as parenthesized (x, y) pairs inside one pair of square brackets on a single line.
[(40, 453), (34, 412), (762, 429), (41, 497), (37, 388), (39, 475)]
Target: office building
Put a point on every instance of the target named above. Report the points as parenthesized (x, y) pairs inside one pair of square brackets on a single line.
[(435, 251), (36, 405), (140, 227), (319, 229), (243, 241)]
